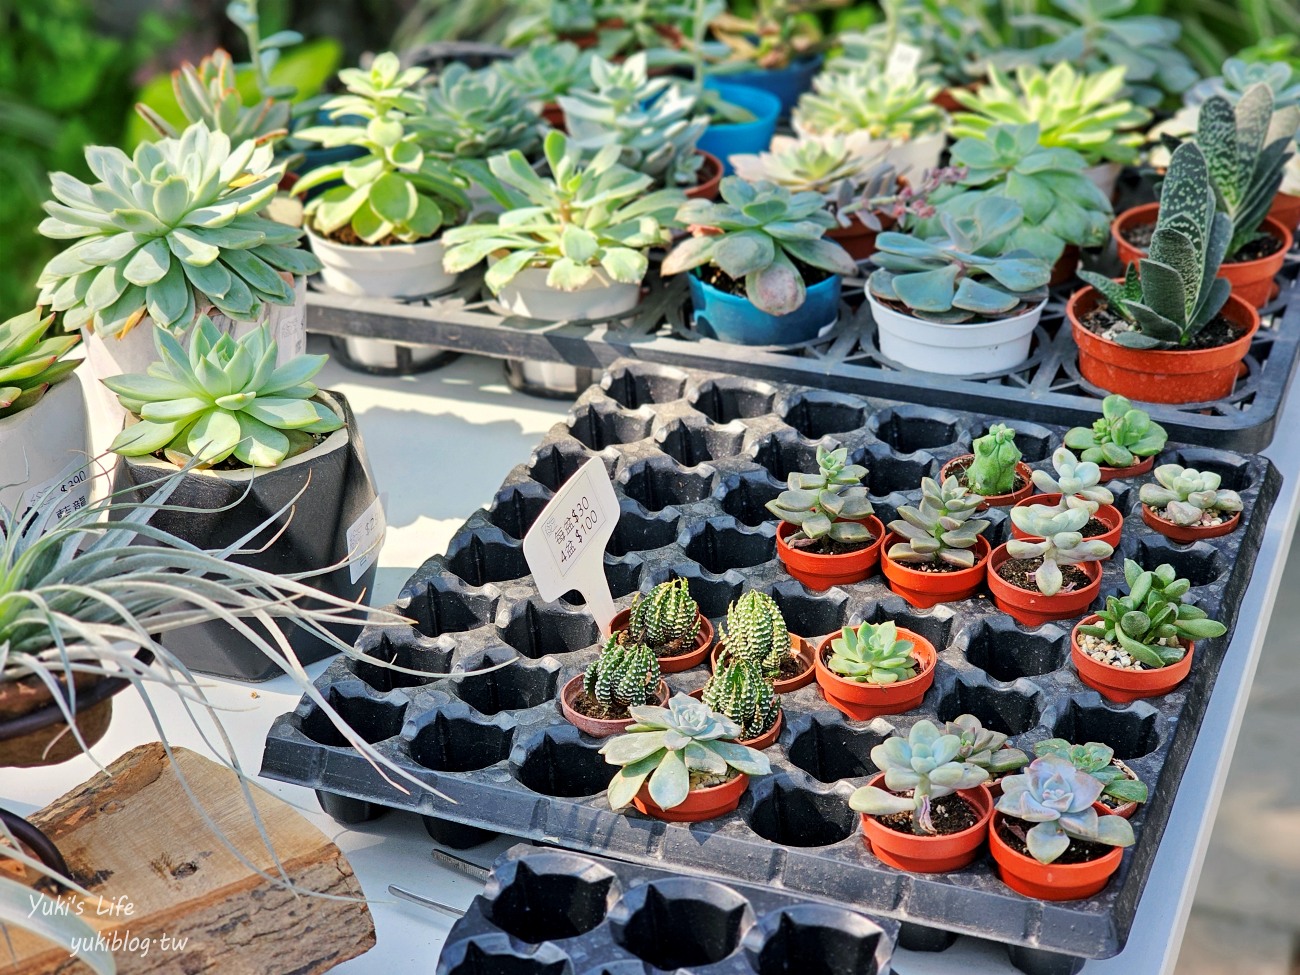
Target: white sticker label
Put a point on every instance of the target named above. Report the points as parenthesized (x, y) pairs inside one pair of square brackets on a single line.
[(565, 548), (366, 537), (69, 492), (904, 59)]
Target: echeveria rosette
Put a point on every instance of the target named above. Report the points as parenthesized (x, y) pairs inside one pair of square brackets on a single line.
[(828, 504), (1097, 759), (665, 745), (866, 102), (1060, 542), (873, 654), (1057, 798), (941, 528), (1186, 495), (1078, 482), (544, 72), (1120, 437), (30, 363), (984, 747)]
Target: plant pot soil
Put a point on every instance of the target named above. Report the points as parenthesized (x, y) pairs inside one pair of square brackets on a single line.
[(710, 178), (925, 589), (699, 805), (674, 663), (863, 701), (857, 238), (820, 572), (799, 666), (1024, 482), (931, 854), (759, 742), (1032, 608), (1121, 684), (1107, 516), (1188, 533), (1050, 881), (570, 705)]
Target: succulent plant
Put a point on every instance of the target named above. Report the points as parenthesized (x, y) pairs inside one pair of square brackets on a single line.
[(867, 101), (872, 654), (226, 398), (983, 747), (775, 34), (1074, 110), (587, 215), (828, 504), (1240, 76), (756, 632), (471, 115), (810, 166), (1151, 622), (942, 529), (993, 471), (166, 231), (739, 690), (545, 72), (1059, 542), (666, 616), (1120, 437), (1184, 495), (755, 234), (625, 675), (1057, 798), (972, 272), (675, 748), (926, 765), (1078, 482), (1097, 760), (31, 362)]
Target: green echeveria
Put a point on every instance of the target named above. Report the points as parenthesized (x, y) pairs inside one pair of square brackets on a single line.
[(1119, 437), (30, 363), (1186, 495), (1078, 482), (873, 654)]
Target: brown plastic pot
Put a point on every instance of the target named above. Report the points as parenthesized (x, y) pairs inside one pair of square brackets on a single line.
[(820, 572), (50, 742), (1051, 881), (699, 805), (857, 238), (683, 661), (1008, 500), (710, 178), (1107, 514), (1133, 470), (1161, 375), (760, 742), (1032, 608), (553, 115), (1121, 685), (1066, 266), (863, 701), (929, 854), (597, 727), (1286, 211), (803, 649), (926, 589), (1188, 533)]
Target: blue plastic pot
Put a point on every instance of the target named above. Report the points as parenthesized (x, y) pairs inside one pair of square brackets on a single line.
[(786, 83), (735, 138), (725, 317)]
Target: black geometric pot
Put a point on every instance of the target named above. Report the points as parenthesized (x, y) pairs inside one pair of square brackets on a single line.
[(339, 496)]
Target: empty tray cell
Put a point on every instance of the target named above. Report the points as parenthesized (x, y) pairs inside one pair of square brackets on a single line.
[(782, 454), (555, 463), (1132, 731), (552, 896), (682, 922), (817, 939), (786, 813), (536, 629), (745, 496), (657, 485), (719, 545), (634, 387), (1005, 652), (372, 719), (725, 399), (405, 648), (1007, 709), (1036, 443), (451, 742), (437, 607), (494, 955), (887, 472), (636, 532), (817, 414), (623, 576), (480, 560), (516, 687), (1201, 563), (516, 508), (811, 615), (911, 428), (599, 426), (692, 443), (1233, 469), (829, 750), (557, 762), (936, 625)]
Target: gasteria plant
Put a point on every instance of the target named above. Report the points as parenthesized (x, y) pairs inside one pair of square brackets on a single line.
[(867, 102), (740, 691), (872, 654), (983, 747), (826, 505), (625, 675), (545, 72), (1183, 495), (1059, 543), (1120, 437), (756, 632), (31, 360), (1078, 482), (1097, 760), (666, 616), (1057, 798), (942, 529), (167, 231), (993, 471)]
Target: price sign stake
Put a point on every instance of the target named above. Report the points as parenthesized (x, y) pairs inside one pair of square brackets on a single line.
[(565, 548)]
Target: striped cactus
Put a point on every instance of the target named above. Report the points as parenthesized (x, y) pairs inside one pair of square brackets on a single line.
[(756, 632), (624, 675), (741, 692), (667, 616)]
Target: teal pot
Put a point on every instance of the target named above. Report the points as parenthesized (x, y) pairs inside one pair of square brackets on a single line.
[(725, 317), (787, 83), (729, 139)]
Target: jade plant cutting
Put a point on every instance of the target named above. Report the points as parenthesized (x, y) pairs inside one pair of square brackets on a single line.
[(743, 693), (872, 654), (992, 470), (1189, 497), (941, 529), (667, 618), (1123, 436), (31, 360), (625, 675), (984, 747), (756, 632), (828, 507), (1098, 760), (1057, 798), (1054, 542)]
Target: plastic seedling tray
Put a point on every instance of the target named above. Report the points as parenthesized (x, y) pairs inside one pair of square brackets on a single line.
[(553, 912), (694, 457)]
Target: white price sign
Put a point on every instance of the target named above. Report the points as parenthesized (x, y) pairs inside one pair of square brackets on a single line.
[(365, 537), (565, 548), (904, 59)]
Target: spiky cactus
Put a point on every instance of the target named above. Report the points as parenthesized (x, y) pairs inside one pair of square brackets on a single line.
[(756, 632), (993, 471), (666, 617), (873, 654), (941, 529), (742, 692), (625, 675)]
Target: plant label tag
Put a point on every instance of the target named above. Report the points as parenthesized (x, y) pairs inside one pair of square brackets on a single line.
[(365, 537), (904, 59), (64, 493), (565, 548)]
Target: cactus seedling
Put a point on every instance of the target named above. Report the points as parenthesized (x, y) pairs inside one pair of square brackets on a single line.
[(826, 506), (742, 692), (625, 675), (984, 747), (941, 531), (1057, 798), (1078, 482), (1122, 436), (872, 654), (666, 619), (1098, 760), (1059, 544), (756, 632), (1189, 497), (993, 471)]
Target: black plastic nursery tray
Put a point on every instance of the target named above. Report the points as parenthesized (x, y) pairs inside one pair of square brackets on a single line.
[(694, 457), (558, 913)]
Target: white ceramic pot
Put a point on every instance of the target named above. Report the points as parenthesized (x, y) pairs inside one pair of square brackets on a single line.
[(382, 354), (1104, 176), (968, 349), (46, 447), (388, 271)]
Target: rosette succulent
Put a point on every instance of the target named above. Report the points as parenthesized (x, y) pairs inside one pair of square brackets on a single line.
[(471, 115), (1186, 496), (1057, 798), (547, 71), (942, 528), (952, 39), (665, 617), (756, 631), (993, 471), (739, 690), (1078, 482), (1054, 537), (865, 101), (1098, 760), (983, 747), (31, 360), (1121, 437), (625, 675), (807, 166), (872, 654), (826, 505)]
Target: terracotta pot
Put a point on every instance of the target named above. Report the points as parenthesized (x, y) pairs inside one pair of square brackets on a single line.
[(1007, 500), (804, 649), (1050, 881), (1107, 514), (1188, 533), (710, 178), (760, 742), (699, 805), (596, 727), (1286, 211), (929, 854), (820, 572), (1133, 470), (683, 661), (862, 701), (1124, 686), (1032, 608), (1127, 810), (926, 589), (553, 115), (50, 743), (1066, 266), (857, 238), (948, 103), (1161, 375)]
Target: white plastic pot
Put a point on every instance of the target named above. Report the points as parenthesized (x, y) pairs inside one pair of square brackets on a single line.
[(382, 354), (967, 349), (45, 447), (1104, 176), (387, 271)]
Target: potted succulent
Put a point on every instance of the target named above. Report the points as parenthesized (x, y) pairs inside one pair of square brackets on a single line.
[(741, 692), (764, 274), (1077, 484), (1048, 838), (1122, 442), (1140, 645), (994, 471), (756, 632), (1187, 505), (779, 44), (964, 303), (1053, 572), (875, 669), (987, 749), (932, 816), (934, 552), (545, 72), (624, 676), (669, 622), (681, 763), (1121, 790), (829, 534)]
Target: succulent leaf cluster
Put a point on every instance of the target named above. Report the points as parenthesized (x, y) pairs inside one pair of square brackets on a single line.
[(31, 360), (756, 632), (864, 100), (1097, 760), (1078, 482), (1057, 798), (739, 690), (942, 528), (993, 471), (776, 33), (983, 747), (828, 504), (1186, 495), (1055, 538), (664, 616), (813, 166), (546, 71), (1240, 76), (473, 114), (1120, 437), (873, 654), (626, 674)]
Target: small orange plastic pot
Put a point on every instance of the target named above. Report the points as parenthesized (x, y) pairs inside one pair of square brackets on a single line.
[(710, 178), (1032, 608), (863, 701), (760, 742), (596, 727), (699, 804), (1133, 470), (1188, 533), (926, 589), (1107, 514), (929, 854), (683, 661), (1120, 684), (820, 572), (1051, 881)]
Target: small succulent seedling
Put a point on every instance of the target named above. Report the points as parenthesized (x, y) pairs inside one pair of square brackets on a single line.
[(942, 529), (756, 632), (872, 654), (1097, 760), (30, 363), (1057, 798), (1186, 496), (665, 617), (625, 675), (828, 504), (1078, 482), (926, 765), (1121, 437), (983, 747), (742, 692), (1059, 543), (993, 471)]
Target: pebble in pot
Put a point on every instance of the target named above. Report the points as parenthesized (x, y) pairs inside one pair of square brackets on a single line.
[(1053, 573), (934, 552), (875, 669), (1122, 442), (624, 676), (1121, 790), (1186, 504)]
